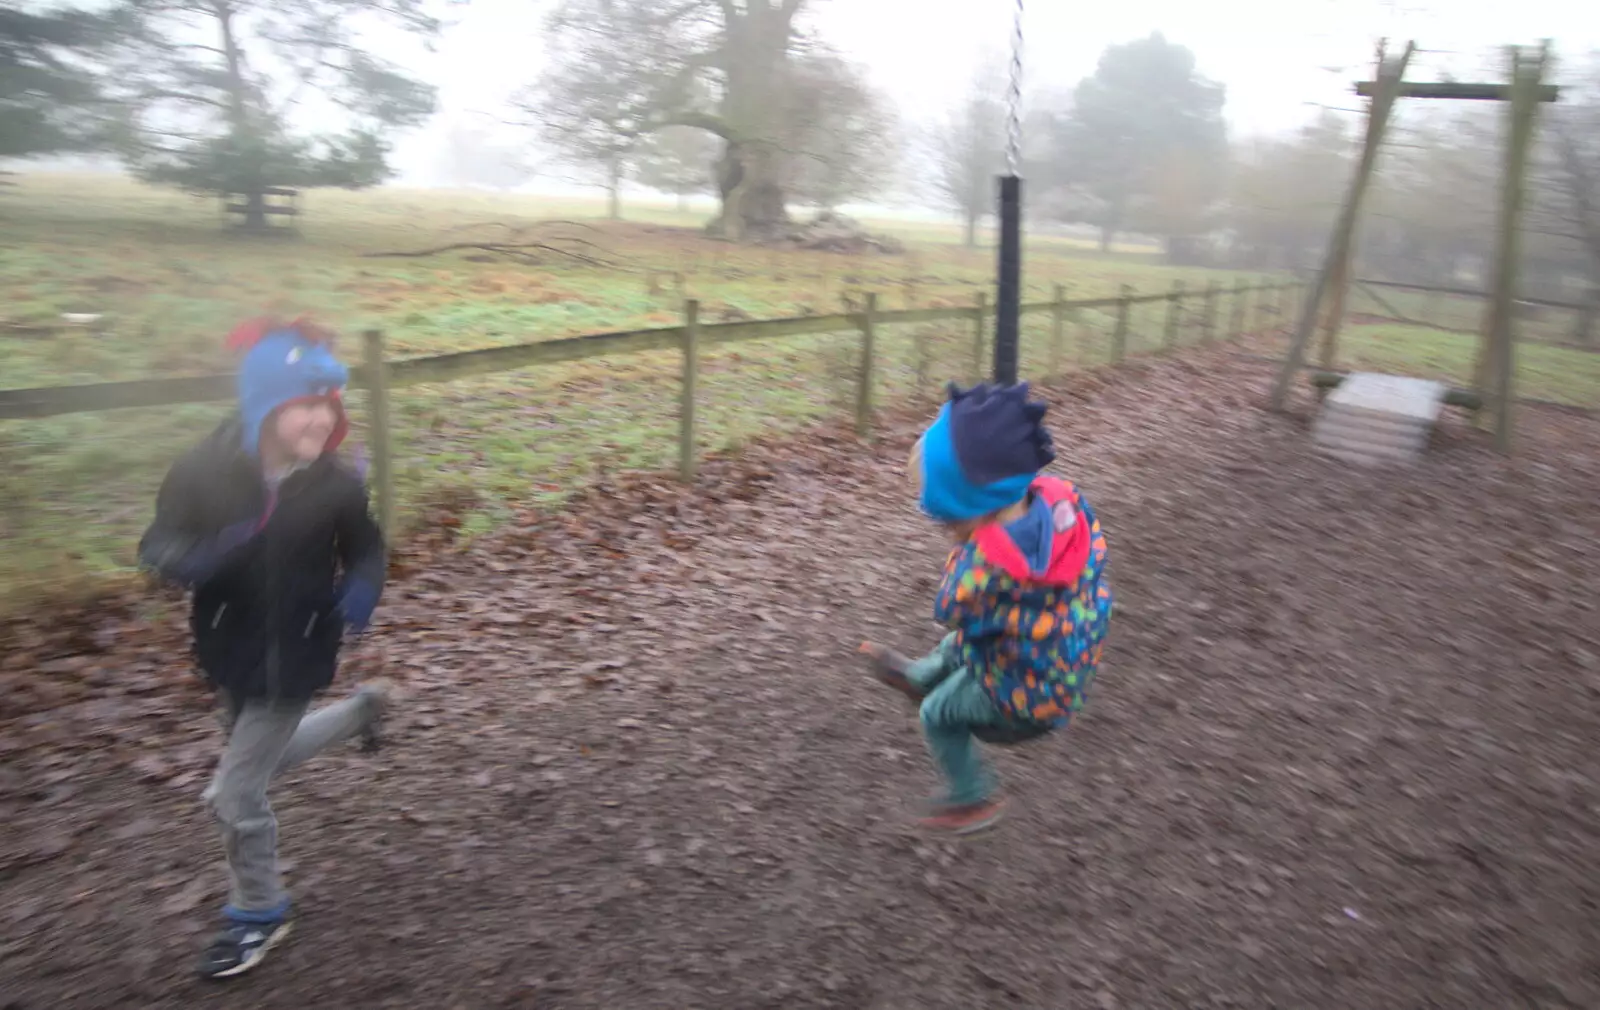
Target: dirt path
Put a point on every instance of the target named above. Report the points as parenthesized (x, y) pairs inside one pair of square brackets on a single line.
[(1343, 754)]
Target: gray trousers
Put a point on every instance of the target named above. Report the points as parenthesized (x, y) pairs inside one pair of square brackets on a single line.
[(265, 738)]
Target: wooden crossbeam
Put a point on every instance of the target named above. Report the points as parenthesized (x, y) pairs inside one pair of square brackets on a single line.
[(1461, 91)]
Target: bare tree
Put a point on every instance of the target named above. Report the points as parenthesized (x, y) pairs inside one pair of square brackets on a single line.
[(720, 66), (840, 135), (1285, 194), (598, 97), (968, 151), (1571, 161), (677, 160)]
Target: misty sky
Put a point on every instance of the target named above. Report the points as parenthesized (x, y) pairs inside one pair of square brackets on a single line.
[(1272, 54)]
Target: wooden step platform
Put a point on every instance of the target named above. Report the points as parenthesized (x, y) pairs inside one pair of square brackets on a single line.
[(1371, 418)]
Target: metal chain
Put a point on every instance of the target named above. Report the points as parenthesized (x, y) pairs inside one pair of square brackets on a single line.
[(1014, 99)]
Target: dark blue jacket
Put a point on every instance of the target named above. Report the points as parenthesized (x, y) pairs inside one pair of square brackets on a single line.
[(267, 568)]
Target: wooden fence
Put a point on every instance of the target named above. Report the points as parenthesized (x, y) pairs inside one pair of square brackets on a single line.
[(379, 375), (1585, 315)]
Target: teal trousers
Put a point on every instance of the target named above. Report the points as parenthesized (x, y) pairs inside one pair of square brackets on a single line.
[(956, 713)]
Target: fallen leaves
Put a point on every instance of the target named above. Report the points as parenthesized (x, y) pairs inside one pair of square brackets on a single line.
[(636, 743)]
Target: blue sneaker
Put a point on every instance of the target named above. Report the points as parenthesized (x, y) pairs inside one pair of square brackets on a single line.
[(241, 946)]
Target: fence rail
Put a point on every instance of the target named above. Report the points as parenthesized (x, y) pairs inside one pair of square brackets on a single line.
[(1470, 293), (50, 401), (379, 374)]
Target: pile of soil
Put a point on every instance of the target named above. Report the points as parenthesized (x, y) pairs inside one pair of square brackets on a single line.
[(831, 231)]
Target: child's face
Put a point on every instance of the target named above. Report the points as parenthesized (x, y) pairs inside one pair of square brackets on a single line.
[(302, 430)]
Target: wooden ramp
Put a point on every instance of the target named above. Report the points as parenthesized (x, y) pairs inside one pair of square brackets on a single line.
[(1372, 418)]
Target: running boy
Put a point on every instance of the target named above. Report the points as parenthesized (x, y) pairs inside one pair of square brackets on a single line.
[(1023, 592), (272, 533)]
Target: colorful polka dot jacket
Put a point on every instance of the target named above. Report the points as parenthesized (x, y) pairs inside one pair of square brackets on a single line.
[(1030, 606)]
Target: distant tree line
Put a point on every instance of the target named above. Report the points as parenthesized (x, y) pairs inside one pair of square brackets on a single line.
[(740, 100)]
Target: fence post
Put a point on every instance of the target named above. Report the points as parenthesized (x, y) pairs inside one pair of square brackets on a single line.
[(1174, 307), (686, 402), (1080, 335), (378, 420), (1058, 328), (979, 315), (1119, 337), (1238, 311), (1208, 324), (1281, 311), (865, 379)]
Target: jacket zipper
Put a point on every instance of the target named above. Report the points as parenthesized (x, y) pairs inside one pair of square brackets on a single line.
[(309, 625), (216, 618)]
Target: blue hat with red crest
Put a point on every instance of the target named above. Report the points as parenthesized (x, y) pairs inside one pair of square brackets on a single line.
[(284, 363)]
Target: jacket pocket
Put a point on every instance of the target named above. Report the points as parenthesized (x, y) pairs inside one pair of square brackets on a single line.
[(224, 639)]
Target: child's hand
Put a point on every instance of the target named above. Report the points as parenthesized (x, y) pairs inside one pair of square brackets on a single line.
[(357, 602)]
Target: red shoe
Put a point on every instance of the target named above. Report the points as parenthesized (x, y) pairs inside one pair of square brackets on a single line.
[(889, 667), (963, 818)]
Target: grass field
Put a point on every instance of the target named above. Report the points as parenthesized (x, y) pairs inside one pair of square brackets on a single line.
[(170, 283)]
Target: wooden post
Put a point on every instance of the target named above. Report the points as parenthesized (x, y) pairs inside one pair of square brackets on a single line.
[(378, 421), (1386, 92), (865, 379), (919, 340), (1329, 352), (1583, 321), (1119, 336), (979, 314), (1058, 328), (1527, 79), (1080, 336), (1208, 323), (1237, 322), (1174, 307), (1284, 307), (687, 456)]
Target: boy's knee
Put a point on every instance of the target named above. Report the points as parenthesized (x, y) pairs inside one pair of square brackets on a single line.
[(235, 804), (935, 717)]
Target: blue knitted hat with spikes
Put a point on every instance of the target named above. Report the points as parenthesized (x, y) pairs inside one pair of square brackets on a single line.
[(982, 452), (286, 362)]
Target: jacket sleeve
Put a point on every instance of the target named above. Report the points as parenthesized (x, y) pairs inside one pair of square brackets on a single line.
[(361, 548), (180, 546), (973, 597)]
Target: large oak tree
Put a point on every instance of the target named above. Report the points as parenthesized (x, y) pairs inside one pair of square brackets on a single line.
[(720, 66)]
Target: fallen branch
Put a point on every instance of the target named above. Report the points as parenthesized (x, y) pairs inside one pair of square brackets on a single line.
[(526, 251), (518, 229)]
